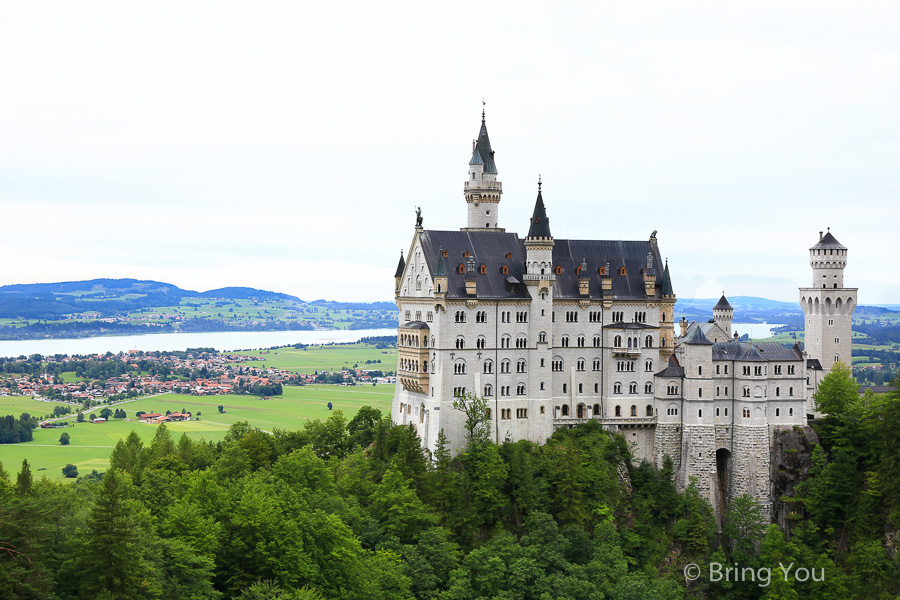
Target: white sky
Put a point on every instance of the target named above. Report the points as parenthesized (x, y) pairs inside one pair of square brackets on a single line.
[(284, 145)]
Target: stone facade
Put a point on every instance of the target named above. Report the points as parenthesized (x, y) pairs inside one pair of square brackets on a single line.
[(557, 332)]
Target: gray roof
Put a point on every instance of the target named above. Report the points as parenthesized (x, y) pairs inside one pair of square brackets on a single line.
[(539, 225), (828, 242), (667, 282), (671, 371), (723, 304), (814, 364), (483, 155), (626, 325), (415, 325), (755, 352), (400, 266), (490, 248), (694, 336), (441, 269)]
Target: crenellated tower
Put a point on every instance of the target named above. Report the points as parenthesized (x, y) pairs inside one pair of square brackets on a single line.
[(828, 306), (482, 190), (723, 314)]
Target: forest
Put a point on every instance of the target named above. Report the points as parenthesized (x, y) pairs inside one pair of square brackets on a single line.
[(355, 509)]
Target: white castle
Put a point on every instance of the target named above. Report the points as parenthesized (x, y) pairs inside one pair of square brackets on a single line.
[(556, 332)]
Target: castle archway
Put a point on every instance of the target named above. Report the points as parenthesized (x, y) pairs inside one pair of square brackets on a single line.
[(723, 473)]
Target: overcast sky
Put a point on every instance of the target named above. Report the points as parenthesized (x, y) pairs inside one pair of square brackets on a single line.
[(284, 146)]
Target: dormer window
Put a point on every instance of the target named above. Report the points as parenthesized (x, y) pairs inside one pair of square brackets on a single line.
[(559, 269), (462, 268), (466, 254), (446, 253), (601, 271), (483, 269), (505, 269), (578, 270), (622, 271), (509, 255)]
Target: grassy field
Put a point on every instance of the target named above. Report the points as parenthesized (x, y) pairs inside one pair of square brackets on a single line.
[(16, 405), (91, 444), (328, 357)]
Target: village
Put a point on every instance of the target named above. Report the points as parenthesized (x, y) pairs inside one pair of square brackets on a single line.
[(105, 378)]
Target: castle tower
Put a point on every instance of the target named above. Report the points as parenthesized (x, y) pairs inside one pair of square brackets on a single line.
[(667, 317), (723, 313), (828, 306), (482, 190)]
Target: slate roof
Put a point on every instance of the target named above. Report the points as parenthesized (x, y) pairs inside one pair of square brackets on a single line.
[(540, 225), (671, 371), (491, 247), (667, 282), (400, 266), (483, 155), (626, 325), (415, 325), (814, 364), (755, 352), (723, 304), (694, 336), (828, 242)]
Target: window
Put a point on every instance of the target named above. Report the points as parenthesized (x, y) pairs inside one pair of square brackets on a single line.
[(581, 341), (556, 364), (718, 391), (618, 317), (487, 413), (617, 388), (596, 388), (700, 413), (596, 364), (745, 392), (408, 315), (672, 410), (757, 370), (648, 341), (632, 388), (542, 337), (565, 341), (837, 340), (649, 410), (488, 367), (699, 392), (459, 367), (542, 409), (746, 369), (479, 343), (777, 412), (778, 369), (790, 391), (790, 412), (777, 391), (672, 390), (460, 343), (580, 388), (520, 389), (506, 413), (504, 366), (580, 364), (521, 317), (521, 413), (718, 369), (726, 371), (717, 412), (565, 388), (504, 341), (418, 315), (596, 341), (617, 341), (746, 413), (648, 388), (571, 316), (520, 366), (429, 316), (618, 411), (633, 410), (488, 391), (699, 370), (565, 410), (521, 342), (481, 316), (790, 369), (459, 391), (460, 316)]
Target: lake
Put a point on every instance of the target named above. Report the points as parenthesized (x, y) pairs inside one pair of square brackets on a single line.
[(220, 340), (756, 331)]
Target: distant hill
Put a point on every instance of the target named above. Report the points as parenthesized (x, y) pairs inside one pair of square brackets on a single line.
[(760, 310)]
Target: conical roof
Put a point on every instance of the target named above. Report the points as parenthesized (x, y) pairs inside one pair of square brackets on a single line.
[(401, 266), (667, 282), (828, 242), (723, 304), (695, 336), (540, 224), (441, 269), (483, 155)]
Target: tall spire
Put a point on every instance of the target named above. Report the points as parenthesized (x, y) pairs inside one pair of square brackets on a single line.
[(540, 224), (482, 190), (667, 282)]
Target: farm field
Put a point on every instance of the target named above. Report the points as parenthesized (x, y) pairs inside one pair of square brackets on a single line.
[(91, 444), (16, 405), (327, 357)]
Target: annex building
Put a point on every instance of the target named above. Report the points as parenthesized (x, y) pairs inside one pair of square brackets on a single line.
[(555, 332)]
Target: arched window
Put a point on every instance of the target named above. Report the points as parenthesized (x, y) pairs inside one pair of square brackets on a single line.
[(488, 391), (648, 341), (648, 388), (632, 388), (483, 269), (565, 410), (633, 410), (488, 366), (649, 410), (622, 271), (618, 411), (617, 342)]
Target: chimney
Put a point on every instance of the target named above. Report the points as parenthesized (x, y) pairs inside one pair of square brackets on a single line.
[(684, 325), (820, 236)]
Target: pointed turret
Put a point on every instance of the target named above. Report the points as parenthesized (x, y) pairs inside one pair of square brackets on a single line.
[(540, 224), (723, 313), (482, 190), (398, 275), (667, 282)]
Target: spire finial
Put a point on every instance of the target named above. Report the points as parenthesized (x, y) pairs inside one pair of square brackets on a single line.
[(482, 110), (539, 182)]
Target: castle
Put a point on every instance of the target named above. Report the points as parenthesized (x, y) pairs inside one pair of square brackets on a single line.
[(555, 332)]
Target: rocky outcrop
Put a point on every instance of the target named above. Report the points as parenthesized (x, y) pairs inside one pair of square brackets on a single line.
[(791, 453)]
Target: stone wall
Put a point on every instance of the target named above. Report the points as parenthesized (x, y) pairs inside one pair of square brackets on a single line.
[(667, 440), (750, 471)]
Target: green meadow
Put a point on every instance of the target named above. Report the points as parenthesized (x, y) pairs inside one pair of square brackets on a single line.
[(16, 405), (91, 443), (327, 357)]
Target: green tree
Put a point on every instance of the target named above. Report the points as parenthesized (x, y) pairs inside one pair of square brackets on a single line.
[(744, 526), (24, 479), (64, 439), (115, 537), (477, 423), (105, 413), (70, 470), (399, 509), (79, 418), (837, 391)]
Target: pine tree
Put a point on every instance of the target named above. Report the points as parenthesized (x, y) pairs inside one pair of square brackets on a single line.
[(24, 480)]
